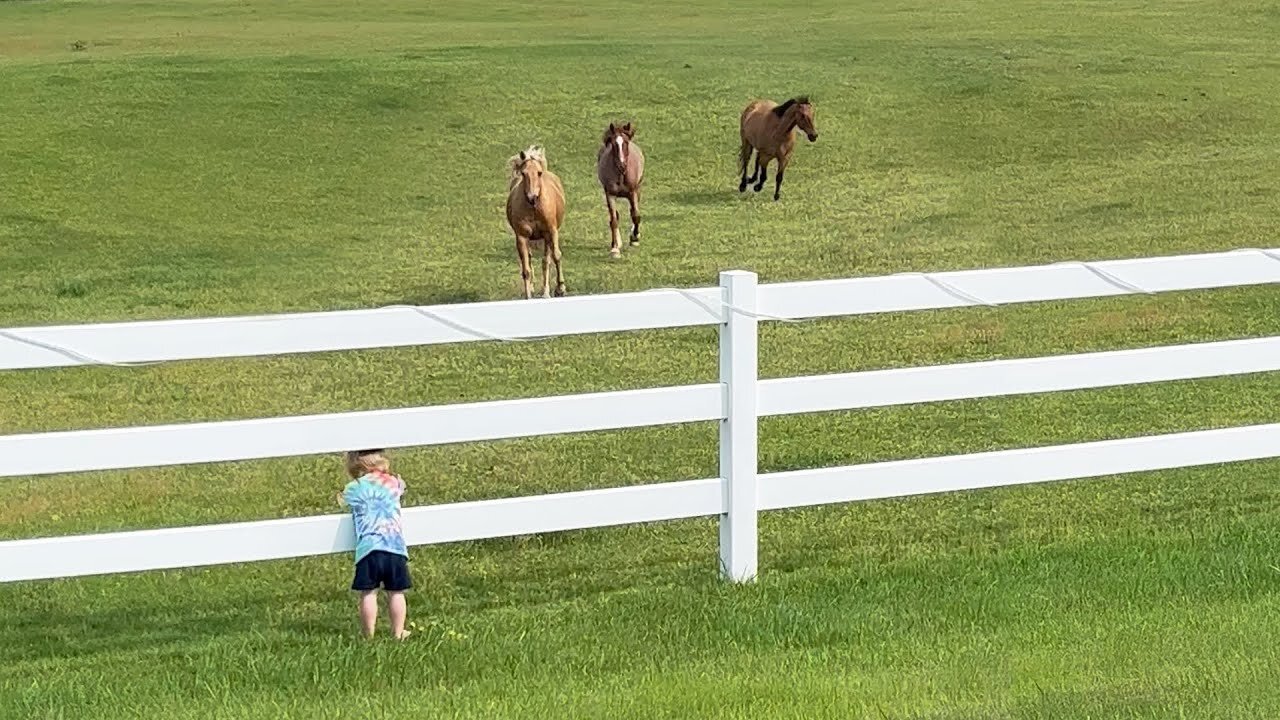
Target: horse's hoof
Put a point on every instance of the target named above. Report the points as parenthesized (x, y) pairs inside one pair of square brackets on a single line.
[(615, 253), (635, 242), (758, 188), (742, 187), (561, 292)]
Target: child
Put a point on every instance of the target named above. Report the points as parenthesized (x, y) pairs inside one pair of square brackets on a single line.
[(381, 557)]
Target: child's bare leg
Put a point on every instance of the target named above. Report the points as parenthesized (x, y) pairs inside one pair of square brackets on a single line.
[(368, 611), (397, 608)]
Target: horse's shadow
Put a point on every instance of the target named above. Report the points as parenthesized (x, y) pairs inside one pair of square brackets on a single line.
[(704, 196), (442, 296)]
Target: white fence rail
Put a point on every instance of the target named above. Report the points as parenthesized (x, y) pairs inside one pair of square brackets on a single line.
[(737, 401), (169, 340)]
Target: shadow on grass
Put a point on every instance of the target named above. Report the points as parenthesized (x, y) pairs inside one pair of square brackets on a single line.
[(150, 622), (442, 296), (706, 196)]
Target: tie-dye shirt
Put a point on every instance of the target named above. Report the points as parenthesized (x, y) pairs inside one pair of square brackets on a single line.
[(374, 500)]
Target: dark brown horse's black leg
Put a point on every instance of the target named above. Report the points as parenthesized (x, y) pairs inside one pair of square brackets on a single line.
[(763, 170), (777, 188), (748, 180)]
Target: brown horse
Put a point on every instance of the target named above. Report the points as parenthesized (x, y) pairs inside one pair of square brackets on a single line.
[(620, 168), (535, 209), (770, 130)]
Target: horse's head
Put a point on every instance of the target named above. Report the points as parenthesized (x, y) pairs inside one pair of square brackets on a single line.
[(804, 119), (617, 140), (527, 169)]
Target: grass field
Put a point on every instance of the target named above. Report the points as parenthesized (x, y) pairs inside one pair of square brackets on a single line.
[(203, 157)]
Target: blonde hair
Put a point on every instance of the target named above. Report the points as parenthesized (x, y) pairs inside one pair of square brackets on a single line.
[(362, 462), (517, 161)]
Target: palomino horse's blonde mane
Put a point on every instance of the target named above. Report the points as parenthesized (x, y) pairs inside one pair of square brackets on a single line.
[(533, 152)]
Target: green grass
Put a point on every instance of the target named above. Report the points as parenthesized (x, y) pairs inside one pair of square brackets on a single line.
[(196, 158)]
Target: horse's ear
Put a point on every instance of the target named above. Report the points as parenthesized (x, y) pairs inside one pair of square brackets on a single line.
[(523, 157), (629, 129)]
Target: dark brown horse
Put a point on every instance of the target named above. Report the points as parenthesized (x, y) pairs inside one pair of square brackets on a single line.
[(535, 210), (620, 168), (770, 130)]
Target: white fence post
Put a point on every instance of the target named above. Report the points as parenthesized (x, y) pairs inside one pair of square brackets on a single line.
[(738, 377)]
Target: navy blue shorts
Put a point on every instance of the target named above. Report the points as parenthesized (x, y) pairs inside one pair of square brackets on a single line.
[(382, 569)]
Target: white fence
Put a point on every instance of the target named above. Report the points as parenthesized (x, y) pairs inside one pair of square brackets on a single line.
[(737, 401)]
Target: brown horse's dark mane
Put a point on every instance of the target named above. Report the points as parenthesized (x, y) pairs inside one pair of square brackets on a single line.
[(784, 107)]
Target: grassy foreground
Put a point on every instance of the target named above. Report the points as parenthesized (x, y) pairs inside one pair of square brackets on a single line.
[(206, 158)]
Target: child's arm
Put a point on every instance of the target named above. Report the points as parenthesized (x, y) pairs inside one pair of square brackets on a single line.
[(342, 495)]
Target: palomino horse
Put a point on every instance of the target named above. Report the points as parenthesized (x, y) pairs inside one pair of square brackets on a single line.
[(535, 209), (770, 130), (620, 168)]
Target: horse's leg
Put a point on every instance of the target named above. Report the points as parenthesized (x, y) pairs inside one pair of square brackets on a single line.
[(526, 272), (555, 255), (782, 166), (744, 159), (762, 171), (546, 267), (615, 239), (635, 217)]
